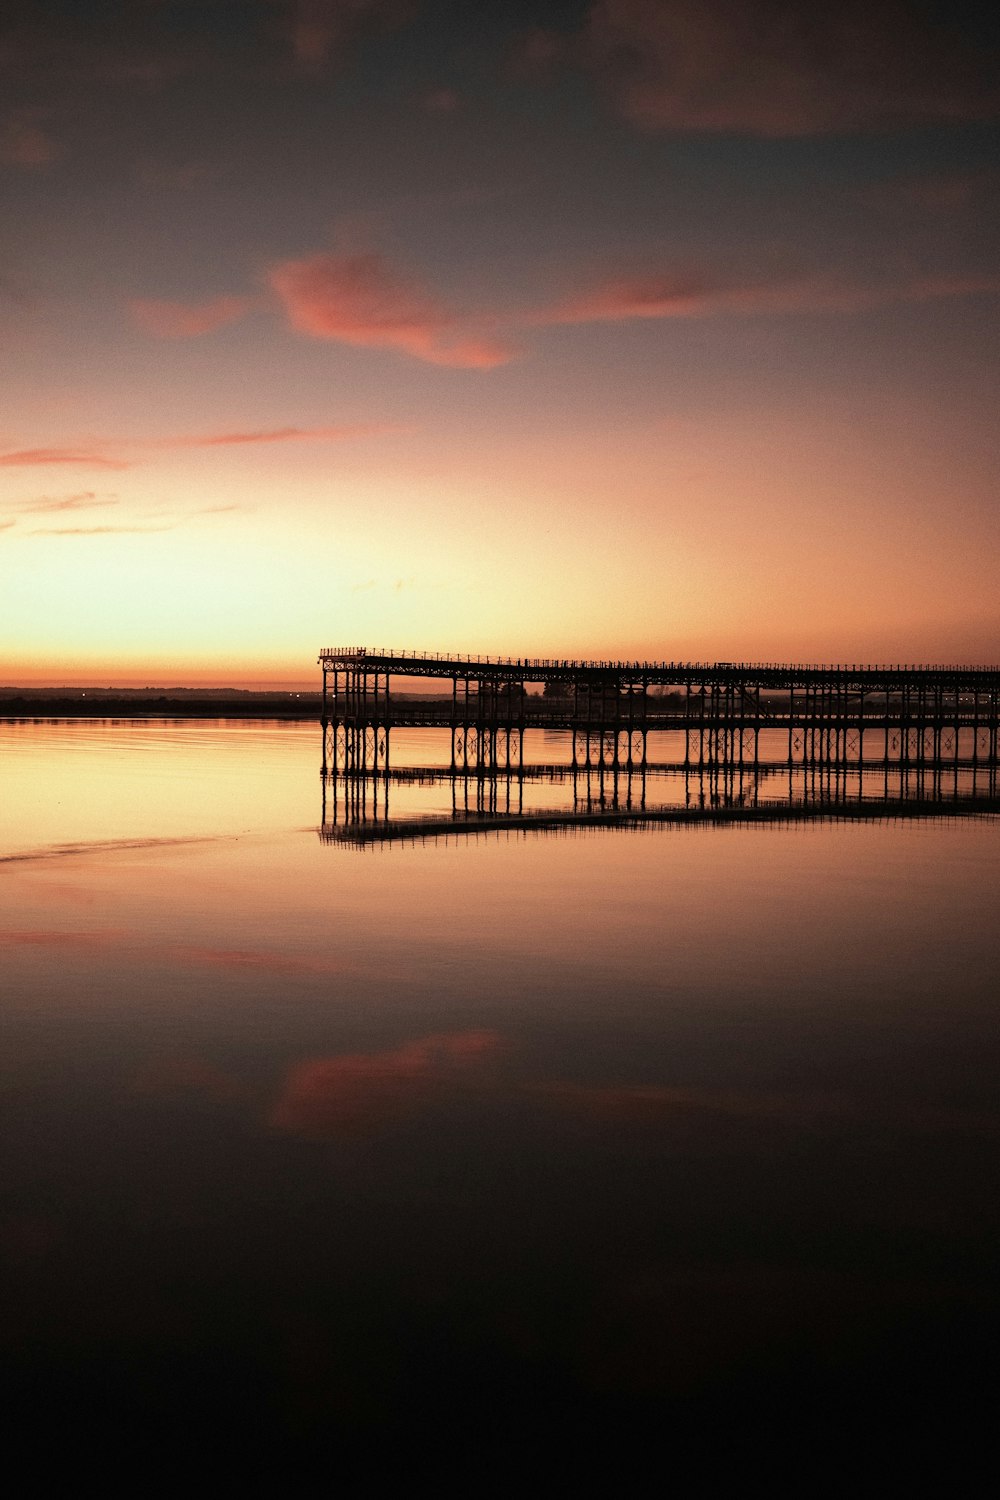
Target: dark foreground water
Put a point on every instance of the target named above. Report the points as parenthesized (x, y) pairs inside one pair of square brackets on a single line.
[(503, 1162)]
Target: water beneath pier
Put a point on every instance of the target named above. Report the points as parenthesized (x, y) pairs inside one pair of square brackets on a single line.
[(548, 1138)]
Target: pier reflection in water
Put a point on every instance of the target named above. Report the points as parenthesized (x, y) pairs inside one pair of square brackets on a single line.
[(432, 801)]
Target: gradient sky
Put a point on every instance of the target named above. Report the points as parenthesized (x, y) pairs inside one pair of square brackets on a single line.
[(659, 328)]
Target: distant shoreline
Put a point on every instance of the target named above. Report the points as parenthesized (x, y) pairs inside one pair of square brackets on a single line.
[(38, 704), (43, 704)]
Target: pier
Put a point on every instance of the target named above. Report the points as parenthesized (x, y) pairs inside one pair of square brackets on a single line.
[(723, 716)]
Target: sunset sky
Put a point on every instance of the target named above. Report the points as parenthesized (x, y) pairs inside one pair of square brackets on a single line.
[(659, 328)]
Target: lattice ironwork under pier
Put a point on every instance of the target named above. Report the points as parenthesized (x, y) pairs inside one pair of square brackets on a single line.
[(724, 711)]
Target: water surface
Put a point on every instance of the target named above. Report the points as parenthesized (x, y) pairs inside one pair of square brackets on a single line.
[(522, 1154)]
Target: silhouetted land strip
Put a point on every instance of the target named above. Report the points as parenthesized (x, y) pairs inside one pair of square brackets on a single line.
[(175, 703)]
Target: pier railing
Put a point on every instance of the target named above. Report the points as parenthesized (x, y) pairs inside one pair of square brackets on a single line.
[(385, 657)]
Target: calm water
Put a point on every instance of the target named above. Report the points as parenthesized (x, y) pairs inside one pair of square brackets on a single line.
[(499, 1160)]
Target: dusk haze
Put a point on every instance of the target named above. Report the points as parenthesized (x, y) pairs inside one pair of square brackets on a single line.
[(672, 324)]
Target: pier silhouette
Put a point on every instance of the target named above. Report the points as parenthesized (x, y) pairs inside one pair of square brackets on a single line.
[(721, 714)]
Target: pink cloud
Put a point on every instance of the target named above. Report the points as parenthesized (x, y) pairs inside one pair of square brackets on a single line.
[(783, 69), (359, 1091), (673, 294), (358, 300), (39, 457), (691, 294), (187, 320)]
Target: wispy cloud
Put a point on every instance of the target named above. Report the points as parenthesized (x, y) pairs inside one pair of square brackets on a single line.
[(336, 433), (360, 300), (669, 294), (95, 530), (784, 67), (90, 458), (68, 504), (80, 457), (45, 937), (84, 500), (187, 320), (699, 294)]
